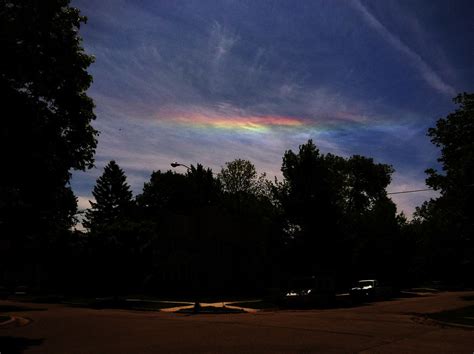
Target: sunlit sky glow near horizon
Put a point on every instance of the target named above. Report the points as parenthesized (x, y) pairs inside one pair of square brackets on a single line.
[(210, 81)]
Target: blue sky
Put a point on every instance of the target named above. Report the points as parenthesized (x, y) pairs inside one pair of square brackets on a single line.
[(209, 81)]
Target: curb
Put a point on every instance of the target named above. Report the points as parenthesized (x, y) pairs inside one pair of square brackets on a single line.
[(15, 321), (453, 324), (431, 321), (7, 322)]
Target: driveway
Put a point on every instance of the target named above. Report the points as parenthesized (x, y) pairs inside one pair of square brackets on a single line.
[(382, 327)]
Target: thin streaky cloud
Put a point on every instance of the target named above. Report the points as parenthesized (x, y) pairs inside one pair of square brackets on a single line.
[(222, 42), (430, 76)]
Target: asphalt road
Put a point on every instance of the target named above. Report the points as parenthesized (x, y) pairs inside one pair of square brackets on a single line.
[(382, 327)]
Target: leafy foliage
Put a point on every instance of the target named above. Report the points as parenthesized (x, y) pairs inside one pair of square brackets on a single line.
[(244, 191), (445, 225), (46, 132), (337, 212), (240, 176), (173, 192), (455, 135), (47, 113)]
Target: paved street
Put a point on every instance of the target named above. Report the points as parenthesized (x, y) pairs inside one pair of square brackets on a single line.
[(383, 327)]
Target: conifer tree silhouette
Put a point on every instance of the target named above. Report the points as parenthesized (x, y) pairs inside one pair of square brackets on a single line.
[(113, 198)]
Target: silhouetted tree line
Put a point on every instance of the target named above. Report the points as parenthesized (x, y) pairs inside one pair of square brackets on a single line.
[(236, 232), (233, 232)]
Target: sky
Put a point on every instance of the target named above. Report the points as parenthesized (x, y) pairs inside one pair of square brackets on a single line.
[(207, 82)]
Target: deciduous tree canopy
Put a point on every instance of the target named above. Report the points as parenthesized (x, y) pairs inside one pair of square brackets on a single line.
[(46, 125), (240, 176), (336, 210), (445, 224)]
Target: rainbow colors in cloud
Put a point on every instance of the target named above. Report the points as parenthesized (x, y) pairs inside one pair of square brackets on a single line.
[(255, 124)]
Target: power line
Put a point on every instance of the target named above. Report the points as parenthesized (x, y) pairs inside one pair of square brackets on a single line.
[(412, 191), (423, 190)]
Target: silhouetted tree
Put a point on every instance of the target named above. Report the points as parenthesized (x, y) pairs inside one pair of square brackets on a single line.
[(179, 193), (113, 198), (180, 206), (338, 216), (312, 205), (205, 188), (446, 223), (165, 192), (370, 226), (253, 228), (202, 243), (120, 240), (43, 85), (455, 135), (46, 116), (244, 190), (365, 183), (240, 176)]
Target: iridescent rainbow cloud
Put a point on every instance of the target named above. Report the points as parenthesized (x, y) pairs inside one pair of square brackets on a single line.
[(257, 124)]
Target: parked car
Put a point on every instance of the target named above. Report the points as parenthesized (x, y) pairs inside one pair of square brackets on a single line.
[(370, 289), (309, 291)]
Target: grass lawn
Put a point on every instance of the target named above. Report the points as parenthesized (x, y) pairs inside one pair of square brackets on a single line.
[(464, 316)]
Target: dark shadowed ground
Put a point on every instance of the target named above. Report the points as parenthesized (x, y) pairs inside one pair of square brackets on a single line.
[(397, 326)]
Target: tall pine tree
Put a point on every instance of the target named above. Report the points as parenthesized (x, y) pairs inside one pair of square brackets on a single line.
[(113, 198)]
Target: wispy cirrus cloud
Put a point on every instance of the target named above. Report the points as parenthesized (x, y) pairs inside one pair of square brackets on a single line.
[(221, 41), (207, 82)]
